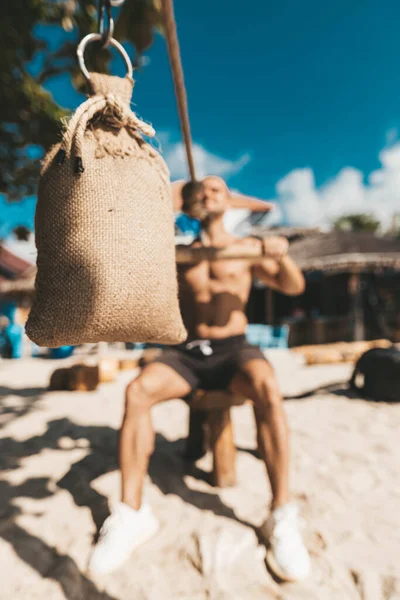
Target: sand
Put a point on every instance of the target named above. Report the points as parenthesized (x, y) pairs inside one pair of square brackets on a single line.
[(59, 471)]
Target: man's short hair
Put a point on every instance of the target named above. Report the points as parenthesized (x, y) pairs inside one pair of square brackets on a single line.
[(189, 190)]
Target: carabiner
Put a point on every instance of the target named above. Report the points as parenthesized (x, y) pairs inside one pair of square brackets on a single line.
[(106, 34)]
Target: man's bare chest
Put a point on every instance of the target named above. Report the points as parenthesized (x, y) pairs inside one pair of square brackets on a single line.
[(216, 276)]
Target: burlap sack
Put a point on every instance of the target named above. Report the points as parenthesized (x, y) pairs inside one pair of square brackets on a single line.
[(105, 231)]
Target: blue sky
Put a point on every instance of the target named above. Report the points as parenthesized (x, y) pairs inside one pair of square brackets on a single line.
[(292, 101)]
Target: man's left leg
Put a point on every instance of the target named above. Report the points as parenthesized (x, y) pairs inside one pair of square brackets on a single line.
[(257, 381), (287, 556)]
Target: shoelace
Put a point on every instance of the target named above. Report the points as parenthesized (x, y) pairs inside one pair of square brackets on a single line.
[(109, 522), (288, 523)]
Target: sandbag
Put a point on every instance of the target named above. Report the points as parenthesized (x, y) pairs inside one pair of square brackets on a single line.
[(380, 370), (105, 231)]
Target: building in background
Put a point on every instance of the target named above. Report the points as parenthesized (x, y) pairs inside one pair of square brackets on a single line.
[(352, 292)]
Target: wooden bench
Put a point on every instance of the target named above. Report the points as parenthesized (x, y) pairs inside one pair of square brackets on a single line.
[(210, 426)]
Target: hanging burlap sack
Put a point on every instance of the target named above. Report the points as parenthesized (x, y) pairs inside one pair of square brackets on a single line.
[(105, 231)]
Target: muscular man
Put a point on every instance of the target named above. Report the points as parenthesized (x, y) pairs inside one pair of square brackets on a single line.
[(216, 355)]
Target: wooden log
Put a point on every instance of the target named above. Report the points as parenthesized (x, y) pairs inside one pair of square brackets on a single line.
[(338, 351), (324, 357), (354, 351), (381, 344), (59, 380), (128, 364), (108, 370), (83, 378), (223, 447)]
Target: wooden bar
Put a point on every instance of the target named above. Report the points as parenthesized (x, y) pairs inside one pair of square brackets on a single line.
[(185, 255)]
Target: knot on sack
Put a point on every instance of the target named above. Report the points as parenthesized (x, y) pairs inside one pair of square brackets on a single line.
[(108, 105)]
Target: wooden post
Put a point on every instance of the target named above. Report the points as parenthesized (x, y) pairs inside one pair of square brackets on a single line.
[(355, 291), (224, 451), (269, 306), (196, 443)]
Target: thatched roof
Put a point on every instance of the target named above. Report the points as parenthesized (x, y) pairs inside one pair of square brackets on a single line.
[(17, 276), (11, 265), (345, 252), (291, 233)]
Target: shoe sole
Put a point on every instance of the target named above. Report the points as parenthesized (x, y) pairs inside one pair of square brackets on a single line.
[(273, 565), (139, 541)]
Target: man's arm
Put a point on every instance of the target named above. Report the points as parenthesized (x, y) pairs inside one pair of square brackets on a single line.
[(278, 271), (252, 204)]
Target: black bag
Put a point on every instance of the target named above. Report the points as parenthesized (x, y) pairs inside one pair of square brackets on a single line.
[(380, 368)]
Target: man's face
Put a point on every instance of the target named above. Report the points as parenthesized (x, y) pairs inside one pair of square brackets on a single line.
[(216, 196)]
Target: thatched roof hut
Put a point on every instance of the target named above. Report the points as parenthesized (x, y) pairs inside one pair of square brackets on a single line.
[(345, 252), (17, 276), (291, 233), (24, 284)]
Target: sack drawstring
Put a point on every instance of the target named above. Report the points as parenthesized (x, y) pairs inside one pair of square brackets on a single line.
[(121, 116)]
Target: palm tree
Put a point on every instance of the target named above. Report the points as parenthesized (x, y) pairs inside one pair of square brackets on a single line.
[(357, 222)]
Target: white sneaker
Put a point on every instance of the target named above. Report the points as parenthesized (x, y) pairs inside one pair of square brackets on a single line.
[(287, 556), (123, 531)]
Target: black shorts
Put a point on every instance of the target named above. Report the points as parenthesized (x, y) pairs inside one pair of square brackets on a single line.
[(210, 364)]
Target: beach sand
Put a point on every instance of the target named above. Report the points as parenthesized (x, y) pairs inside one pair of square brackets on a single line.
[(59, 472)]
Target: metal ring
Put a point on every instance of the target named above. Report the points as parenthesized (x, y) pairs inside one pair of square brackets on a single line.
[(107, 35), (97, 37), (105, 9)]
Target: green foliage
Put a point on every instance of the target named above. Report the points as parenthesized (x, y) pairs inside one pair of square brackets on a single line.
[(357, 222), (22, 233), (29, 115), (137, 21)]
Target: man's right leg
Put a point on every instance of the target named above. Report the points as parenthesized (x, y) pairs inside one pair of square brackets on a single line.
[(157, 383), (132, 521)]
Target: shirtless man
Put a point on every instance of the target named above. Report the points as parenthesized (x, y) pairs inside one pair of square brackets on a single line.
[(216, 355)]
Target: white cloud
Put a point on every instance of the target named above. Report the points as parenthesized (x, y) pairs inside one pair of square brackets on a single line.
[(303, 203), (206, 163), (391, 136)]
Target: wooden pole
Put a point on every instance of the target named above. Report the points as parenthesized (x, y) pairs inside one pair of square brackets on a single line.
[(196, 443), (223, 447), (269, 306), (171, 37), (355, 291)]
